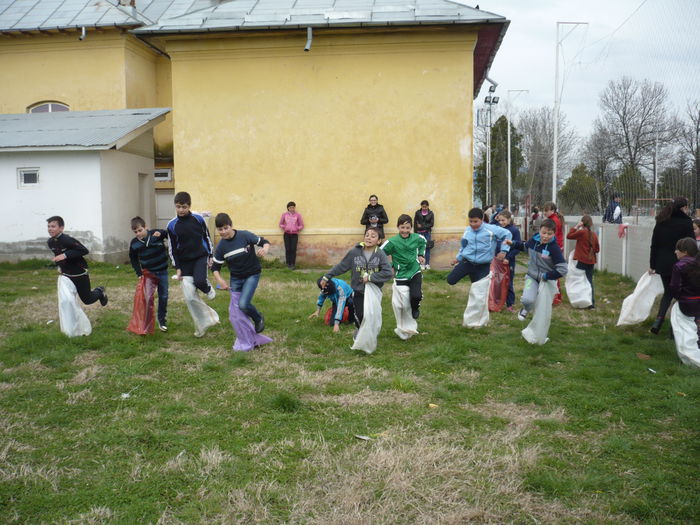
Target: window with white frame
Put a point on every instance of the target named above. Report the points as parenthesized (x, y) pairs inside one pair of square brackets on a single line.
[(48, 107), (163, 174), (28, 177)]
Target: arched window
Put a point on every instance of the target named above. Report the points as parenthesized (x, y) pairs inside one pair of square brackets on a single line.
[(48, 107)]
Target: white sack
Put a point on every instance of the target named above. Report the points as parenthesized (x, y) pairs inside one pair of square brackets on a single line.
[(406, 325), (71, 316), (578, 289), (536, 332), (203, 316), (476, 313), (637, 307), (685, 333), (366, 339)]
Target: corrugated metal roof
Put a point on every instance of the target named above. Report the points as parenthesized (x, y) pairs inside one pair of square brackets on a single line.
[(74, 130), (235, 15), (33, 15)]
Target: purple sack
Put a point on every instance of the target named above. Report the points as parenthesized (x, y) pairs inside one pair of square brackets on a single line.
[(246, 338)]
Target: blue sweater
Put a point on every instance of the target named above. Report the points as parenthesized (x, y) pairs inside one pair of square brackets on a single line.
[(478, 246), (343, 292)]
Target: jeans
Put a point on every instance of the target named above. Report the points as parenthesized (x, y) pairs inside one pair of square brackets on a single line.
[(464, 268), (162, 295), (510, 297), (588, 268), (197, 269), (427, 250), (247, 286), (290, 248)]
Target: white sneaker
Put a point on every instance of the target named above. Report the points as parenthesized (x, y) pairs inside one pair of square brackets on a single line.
[(427, 267), (212, 293), (422, 266), (522, 314)]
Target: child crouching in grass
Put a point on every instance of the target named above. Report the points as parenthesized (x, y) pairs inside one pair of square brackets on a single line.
[(546, 263), (367, 264)]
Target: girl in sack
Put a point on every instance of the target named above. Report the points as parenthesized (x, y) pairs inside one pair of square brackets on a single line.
[(587, 247), (685, 279)]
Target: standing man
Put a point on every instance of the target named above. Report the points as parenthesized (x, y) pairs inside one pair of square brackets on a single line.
[(613, 213)]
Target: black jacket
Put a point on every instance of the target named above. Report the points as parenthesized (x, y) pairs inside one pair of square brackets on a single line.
[(74, 263), (377, 210), (666, 234), (423, 223)]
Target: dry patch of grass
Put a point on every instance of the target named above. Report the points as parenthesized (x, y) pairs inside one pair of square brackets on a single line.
[(367, 397), (6, 386), (34, 368), (29, 474), (84, 396), (95, 516), (88, 358), (210, 460), (87, 374), (518, 416)]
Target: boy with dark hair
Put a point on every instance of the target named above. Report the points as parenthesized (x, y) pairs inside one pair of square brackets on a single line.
[(190, 244), (69, 256), (237, 250), (339, 293), (291, 223), (147, 251), (546, 263), (478, 245), (407, 252)]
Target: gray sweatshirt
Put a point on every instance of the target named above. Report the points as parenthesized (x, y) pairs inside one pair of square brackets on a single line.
[(377, 267)]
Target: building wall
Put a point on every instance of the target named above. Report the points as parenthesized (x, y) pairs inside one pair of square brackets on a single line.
[(68, 184), (259, 122)]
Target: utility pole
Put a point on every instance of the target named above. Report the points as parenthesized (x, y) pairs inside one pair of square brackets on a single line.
[(557, 103), (518, 91)]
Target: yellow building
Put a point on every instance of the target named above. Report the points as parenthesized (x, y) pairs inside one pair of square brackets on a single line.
[(314, 103)]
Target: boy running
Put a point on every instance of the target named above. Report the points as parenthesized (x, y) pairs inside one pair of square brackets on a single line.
[(190, 244), (147, 251), (407, 252), (69, 256)]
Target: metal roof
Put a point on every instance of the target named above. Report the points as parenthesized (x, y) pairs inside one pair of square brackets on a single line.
[(43, 15), (234, 15), (76, 130)]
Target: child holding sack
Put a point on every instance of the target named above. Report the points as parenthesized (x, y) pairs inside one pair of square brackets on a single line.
[(370, 270), (587, 247)]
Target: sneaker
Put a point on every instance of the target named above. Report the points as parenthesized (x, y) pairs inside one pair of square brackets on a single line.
[(427, 267), (415, 313), (522, 314), (422, 266), (260, 325), (163, 326), (103, 295), (211, 294)]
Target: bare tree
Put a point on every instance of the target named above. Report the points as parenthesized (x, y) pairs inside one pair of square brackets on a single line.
[(537, 146), (638, 120), (690, 142), (599, 156)]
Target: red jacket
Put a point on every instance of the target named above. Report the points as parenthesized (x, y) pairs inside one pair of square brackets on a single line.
[(586, 245), (559, 233)]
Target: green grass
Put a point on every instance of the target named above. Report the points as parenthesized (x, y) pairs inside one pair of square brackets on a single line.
[(464, 425)]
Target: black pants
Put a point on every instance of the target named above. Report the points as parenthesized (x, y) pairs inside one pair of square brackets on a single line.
[(197, 269), (358, 299), (475, 272), (666, 297), (290, 248), (415, 285), (588, 268), (85, 292)]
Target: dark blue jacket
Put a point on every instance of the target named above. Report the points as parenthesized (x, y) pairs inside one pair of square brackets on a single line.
[(189, 238), (149, 253)]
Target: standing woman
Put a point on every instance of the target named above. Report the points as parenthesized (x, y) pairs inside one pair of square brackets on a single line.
[(423, 222), (374, 216), (672, 224)]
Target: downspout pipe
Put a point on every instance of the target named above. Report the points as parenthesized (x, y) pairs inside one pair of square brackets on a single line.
[(83, 33), (309, 39)]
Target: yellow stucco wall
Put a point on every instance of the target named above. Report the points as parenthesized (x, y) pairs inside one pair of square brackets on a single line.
[(259, 122), (110, 69)]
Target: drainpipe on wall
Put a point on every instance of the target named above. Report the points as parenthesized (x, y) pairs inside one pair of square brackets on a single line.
[(83, 33), (309, 38)]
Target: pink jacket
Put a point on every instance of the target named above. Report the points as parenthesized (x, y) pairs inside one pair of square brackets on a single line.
[(291, 222)]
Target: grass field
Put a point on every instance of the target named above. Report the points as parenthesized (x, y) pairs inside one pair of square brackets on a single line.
[(464, 426)]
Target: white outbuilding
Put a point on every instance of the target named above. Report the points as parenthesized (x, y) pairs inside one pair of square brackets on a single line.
[(93, 168)]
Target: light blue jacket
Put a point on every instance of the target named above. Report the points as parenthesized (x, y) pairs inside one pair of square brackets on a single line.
[(478, 246)]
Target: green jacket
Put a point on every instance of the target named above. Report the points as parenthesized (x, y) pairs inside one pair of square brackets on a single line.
[(404, 254)]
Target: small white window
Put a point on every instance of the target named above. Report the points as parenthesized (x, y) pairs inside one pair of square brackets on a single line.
[(163, 174), (28, 177)]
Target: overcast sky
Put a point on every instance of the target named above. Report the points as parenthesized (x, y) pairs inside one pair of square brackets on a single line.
[(654, 39)]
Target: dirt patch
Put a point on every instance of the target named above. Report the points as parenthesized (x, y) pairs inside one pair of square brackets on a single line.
[(367, 397)]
